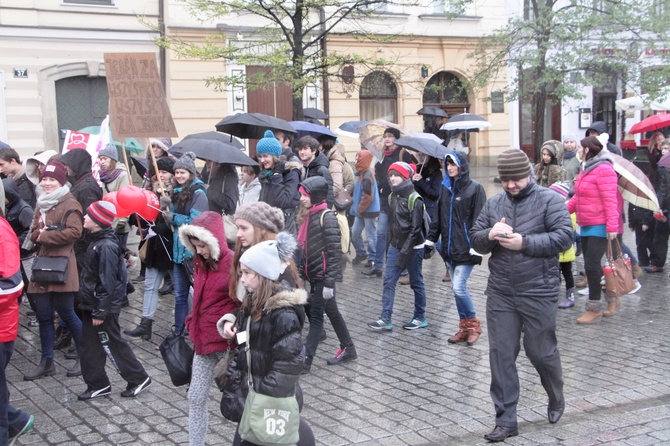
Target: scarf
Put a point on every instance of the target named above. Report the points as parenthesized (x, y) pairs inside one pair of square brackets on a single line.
[(302, 232), (107, 177), (46, 202), (569, 155)]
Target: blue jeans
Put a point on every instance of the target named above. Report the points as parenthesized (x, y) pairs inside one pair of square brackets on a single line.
[(368, 224), (11, 420), (382, 228), (63, 303), (459, 284), (152, 282), (181, 284), (391, 276)]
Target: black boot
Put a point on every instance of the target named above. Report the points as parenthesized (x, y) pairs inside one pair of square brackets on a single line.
[(64, 340), (143, 330), (167, 286), (46, 367), (306, 365)]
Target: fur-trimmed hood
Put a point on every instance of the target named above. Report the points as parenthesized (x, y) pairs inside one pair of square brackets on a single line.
[(286, 298), (208, 228)]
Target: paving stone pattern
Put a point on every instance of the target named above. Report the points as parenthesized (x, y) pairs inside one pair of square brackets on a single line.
[(406, 388)]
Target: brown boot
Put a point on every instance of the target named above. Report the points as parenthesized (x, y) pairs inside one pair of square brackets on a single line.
[(593, 313), (462, 334), (447, 277), (613, 304), (637, 271), (474, 330), (583, 283)]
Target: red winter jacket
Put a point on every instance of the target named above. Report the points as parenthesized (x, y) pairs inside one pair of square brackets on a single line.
[(11, 283), (596, 199), (210, 288)]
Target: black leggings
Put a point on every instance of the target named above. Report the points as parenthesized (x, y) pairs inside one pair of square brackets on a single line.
[(566, 271)]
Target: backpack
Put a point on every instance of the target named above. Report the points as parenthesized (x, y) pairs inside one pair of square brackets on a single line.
[(343, 223), (411, 202)]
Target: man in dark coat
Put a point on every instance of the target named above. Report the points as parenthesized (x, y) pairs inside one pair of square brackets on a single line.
[(599, 127), (524, 229), (84, 188), (12, 168)]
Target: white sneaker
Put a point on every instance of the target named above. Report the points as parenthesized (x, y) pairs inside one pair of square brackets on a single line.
[(638, 285), (602, 280), (584, 291)]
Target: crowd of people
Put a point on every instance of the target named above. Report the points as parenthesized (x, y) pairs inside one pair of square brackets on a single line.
[(251, 256)]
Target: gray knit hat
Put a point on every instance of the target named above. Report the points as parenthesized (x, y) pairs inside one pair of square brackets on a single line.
[(261, 215), (513, 165), (186, 162), (110, 152)]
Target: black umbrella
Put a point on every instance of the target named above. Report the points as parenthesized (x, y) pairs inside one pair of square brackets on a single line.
[(141, 165), (228, 139), (252, 125), (213, 150), (466, 121), (314, 113), (424, 145), (432, 111)]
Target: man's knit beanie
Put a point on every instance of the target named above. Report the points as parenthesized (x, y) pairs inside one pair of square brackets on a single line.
[(513, 165), (102, 213)]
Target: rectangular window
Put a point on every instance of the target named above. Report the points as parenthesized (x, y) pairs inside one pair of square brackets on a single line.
[(89, 2)]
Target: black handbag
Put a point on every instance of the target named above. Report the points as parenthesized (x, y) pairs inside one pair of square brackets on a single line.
[(178, 358), (50, 269)]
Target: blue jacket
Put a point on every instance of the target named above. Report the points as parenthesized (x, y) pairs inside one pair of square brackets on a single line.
[(185, 215)]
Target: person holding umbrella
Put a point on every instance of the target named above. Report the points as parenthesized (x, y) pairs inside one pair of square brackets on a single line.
[(459, 204), (279, 179), (392, 154)]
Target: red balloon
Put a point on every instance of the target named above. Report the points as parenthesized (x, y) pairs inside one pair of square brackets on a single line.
[(112, 197), (152, 209), (131, 198)]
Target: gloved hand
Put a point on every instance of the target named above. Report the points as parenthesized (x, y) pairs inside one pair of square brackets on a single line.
[(401, 261), (280, 167), (168, 216), (328, 293), (165, 201), (120, 226)]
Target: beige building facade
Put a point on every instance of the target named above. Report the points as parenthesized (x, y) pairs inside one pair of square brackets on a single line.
[(61, 44)]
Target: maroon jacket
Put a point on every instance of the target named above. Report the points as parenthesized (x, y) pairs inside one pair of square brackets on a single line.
[(210, 288)]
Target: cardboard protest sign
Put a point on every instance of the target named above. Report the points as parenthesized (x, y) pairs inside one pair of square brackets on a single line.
[(137, 103)]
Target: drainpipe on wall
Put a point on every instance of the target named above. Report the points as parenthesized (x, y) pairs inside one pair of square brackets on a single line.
[(161, 51)]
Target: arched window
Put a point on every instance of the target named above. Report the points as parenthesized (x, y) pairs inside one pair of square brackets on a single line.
[(445, 90), (378, 97)]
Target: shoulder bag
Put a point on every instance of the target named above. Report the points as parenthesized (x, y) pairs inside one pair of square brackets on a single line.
[(267, 420), (178, 358), (46, 269), (620, 280)]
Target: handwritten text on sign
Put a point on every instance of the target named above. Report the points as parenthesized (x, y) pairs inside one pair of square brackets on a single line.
[(137, 103)]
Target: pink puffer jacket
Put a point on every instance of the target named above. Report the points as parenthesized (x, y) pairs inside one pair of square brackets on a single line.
[(596, 199)]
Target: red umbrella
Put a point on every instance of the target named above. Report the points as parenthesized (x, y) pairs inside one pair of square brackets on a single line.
[(652, 123)]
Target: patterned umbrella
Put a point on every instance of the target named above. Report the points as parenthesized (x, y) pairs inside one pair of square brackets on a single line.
[(371, 135), (634, 185)]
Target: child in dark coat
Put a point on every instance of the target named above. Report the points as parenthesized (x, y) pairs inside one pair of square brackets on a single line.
[(102, 289)]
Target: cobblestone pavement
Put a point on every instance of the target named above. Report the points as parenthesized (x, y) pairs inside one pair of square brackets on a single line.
[(406, 388)]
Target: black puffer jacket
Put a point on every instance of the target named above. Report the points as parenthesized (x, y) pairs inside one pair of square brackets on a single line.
[(460, 202), (102, 282), (321, 261), (540, 215), (404, 226), (222, 190), (319, 168), (276, 345), (19, 214)]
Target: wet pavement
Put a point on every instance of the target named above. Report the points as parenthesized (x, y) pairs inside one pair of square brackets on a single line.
[(405, 388)]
